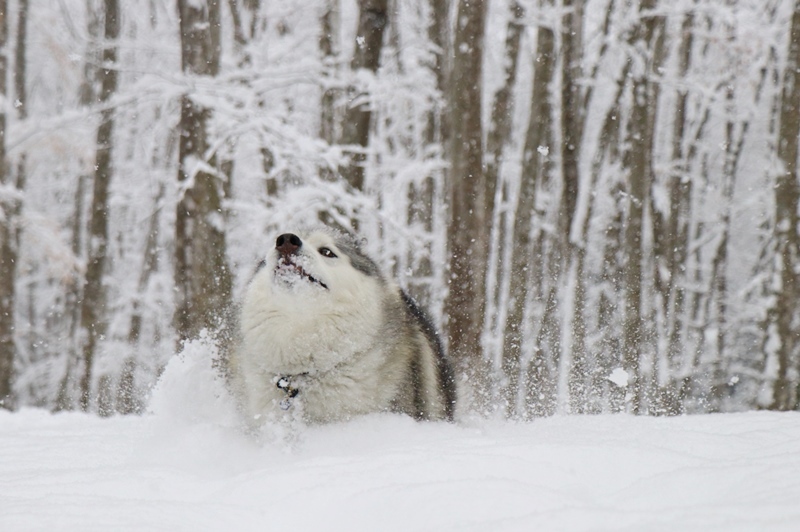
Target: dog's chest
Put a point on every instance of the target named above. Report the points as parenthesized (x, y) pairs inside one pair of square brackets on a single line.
[(289, 335), (366, 383)]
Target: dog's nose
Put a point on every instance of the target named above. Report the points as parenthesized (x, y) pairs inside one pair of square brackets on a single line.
[(288, 244)]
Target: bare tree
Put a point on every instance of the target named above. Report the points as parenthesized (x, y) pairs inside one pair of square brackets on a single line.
[(244, 16), (503, 103), (469, 207), (672, 233), (439, 35), (88, 94), (128, 401), (7, 238), (372, 21), (93, 318), (329, 48), (423, 195), (638, 164), (498, 139), (571, 253), (783, 316), (536, 167), (202, 277)]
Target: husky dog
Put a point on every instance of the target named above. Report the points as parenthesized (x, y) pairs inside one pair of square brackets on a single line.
[(322, 332)]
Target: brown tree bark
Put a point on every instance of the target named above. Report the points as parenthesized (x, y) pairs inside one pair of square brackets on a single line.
[(672, 240), (572, 253), (372, 21), (93, 318), (439, 35), (502, 106), (202, 277), (7, 240), (498, 138), (536, 167), (128, 397), (329, 48), (244, 16), (469, 214), (422, 196), (68, 390), (784, 316), (637, 162), (571, 118)]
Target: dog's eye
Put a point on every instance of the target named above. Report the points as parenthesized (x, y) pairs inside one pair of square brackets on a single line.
[(325, 252)]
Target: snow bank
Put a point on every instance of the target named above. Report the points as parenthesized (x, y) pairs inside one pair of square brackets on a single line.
[(188, 466)]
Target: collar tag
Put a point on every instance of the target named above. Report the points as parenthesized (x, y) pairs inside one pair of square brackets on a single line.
[(284, 382)]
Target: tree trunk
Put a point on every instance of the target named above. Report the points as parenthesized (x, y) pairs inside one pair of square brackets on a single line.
[(571, 257), (439, 35), (785, 316), (93, 318), (372, 21), (637, 163), (500, 126), (498, 139), (202, 278), (329, 48), (68, 390), (65, 399), (469, 215), (536, 166), (571, 121), (7, 241), (244, 17), (672, 244), (128, 400), (9, 255), (424, 196)]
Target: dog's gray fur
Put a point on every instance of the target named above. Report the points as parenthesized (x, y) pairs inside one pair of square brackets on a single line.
[(326, 335)]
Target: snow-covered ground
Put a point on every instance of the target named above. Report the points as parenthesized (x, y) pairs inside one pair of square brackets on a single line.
[(186, 466)]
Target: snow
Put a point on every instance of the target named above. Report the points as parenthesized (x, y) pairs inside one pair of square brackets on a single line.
[(619, 377), (188, 466), (714, 472)]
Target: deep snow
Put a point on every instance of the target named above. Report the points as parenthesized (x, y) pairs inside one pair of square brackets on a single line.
[(187, 466)]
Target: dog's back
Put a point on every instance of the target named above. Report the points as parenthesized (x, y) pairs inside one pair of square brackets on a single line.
[(433, 382)]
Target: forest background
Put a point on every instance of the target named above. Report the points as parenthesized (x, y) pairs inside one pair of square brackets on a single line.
[(596, 200)]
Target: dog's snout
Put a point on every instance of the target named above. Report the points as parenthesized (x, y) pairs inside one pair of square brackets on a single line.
[(288, 244)]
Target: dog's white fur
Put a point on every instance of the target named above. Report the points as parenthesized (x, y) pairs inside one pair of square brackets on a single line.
[(349, 345)]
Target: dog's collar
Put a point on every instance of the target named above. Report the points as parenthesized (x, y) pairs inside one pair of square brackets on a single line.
[(284, 382), (288, 383)]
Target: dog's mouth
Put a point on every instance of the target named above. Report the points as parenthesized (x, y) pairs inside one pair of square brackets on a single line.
[(286, 270)]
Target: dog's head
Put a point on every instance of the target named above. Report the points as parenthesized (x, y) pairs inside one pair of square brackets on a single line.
[(315, 299), (318, 260)]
